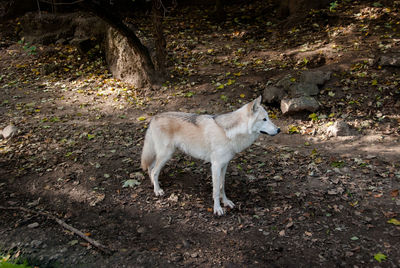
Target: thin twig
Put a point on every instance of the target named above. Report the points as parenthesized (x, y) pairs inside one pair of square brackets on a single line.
[(77, 232)]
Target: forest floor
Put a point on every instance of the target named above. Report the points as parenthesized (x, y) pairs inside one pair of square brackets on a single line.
[(302, 199)]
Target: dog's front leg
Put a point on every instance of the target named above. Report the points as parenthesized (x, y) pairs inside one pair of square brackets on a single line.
[(216, 170), (225, 200)]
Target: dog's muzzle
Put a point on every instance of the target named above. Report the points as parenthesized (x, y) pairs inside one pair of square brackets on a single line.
[(277, 132)]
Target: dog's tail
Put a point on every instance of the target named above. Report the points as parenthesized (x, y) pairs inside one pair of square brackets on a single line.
[(148, 153)]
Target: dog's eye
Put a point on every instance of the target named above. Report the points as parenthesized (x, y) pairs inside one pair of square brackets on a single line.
[(265, 119)]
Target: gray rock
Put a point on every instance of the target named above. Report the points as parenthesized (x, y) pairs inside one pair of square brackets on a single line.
[(83, 44), (315, 77), (33, 225), (36, 243), (141, 230), (49, 68), (299, 104), (339, 128), (9, 131), (285, 82), (392, 60), (272, 94), (304, 89)]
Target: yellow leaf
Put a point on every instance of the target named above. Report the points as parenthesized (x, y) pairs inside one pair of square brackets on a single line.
[(272, 115), (394, 221), (142, 118), (293, 129), (318, 160), (258, 62), (230, 82), (237, 74), (242, 95), (374, 82)]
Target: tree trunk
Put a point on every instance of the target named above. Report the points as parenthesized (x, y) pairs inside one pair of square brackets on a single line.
[(149, 73), (219, 13), (299, 7), (159, 40)]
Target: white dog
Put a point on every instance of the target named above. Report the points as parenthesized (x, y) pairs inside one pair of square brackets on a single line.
[(213, 138)]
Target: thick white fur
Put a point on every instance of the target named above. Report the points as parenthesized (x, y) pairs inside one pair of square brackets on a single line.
[(215, 139)]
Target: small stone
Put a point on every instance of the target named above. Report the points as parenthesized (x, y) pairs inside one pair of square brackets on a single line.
[(36, 243), (315, 77), (33, 225), (304, 89), (392, 60), (299, 104), (9, 131), (339, 128), (141, 230), (273, 94)]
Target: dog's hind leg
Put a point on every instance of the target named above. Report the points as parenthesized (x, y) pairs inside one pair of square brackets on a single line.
[(216, 170), (161, 159), (225, 200)]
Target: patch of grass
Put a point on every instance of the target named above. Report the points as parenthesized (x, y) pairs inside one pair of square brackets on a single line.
[(6, 261), (8, 264)]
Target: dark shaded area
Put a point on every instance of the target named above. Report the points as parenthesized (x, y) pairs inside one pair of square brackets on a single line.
[(303, 199)]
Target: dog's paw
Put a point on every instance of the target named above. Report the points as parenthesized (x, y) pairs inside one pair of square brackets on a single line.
[(218, 210), (159, 192), (228, 203)]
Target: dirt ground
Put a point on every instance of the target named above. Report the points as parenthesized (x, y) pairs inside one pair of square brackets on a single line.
[(302, 199)]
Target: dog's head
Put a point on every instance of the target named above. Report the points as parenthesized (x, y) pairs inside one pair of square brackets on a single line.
[(260, 122)]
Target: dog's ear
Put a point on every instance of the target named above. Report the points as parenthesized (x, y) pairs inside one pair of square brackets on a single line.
[(256, 104)]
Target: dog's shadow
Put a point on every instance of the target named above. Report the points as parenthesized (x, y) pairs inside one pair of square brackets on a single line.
[(191, 177)]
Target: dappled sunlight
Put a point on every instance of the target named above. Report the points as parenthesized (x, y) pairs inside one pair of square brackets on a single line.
[(312, 190)]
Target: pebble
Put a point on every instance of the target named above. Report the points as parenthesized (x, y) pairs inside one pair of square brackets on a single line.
[(33, 225), (36, 243), (141, 230), (9, 131)]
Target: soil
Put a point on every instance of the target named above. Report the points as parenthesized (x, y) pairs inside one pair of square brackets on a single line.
[(303, 199)]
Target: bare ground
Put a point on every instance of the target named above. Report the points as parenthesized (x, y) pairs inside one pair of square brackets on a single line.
[(302, 199)]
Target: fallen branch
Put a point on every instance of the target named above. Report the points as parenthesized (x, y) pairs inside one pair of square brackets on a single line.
[(77, 232)]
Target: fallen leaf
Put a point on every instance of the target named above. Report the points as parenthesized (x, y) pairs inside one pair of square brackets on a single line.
[(131, 183), (394, 221), (293, 130), (308, 233), (380, 257), (394, 193), (73, 242)]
